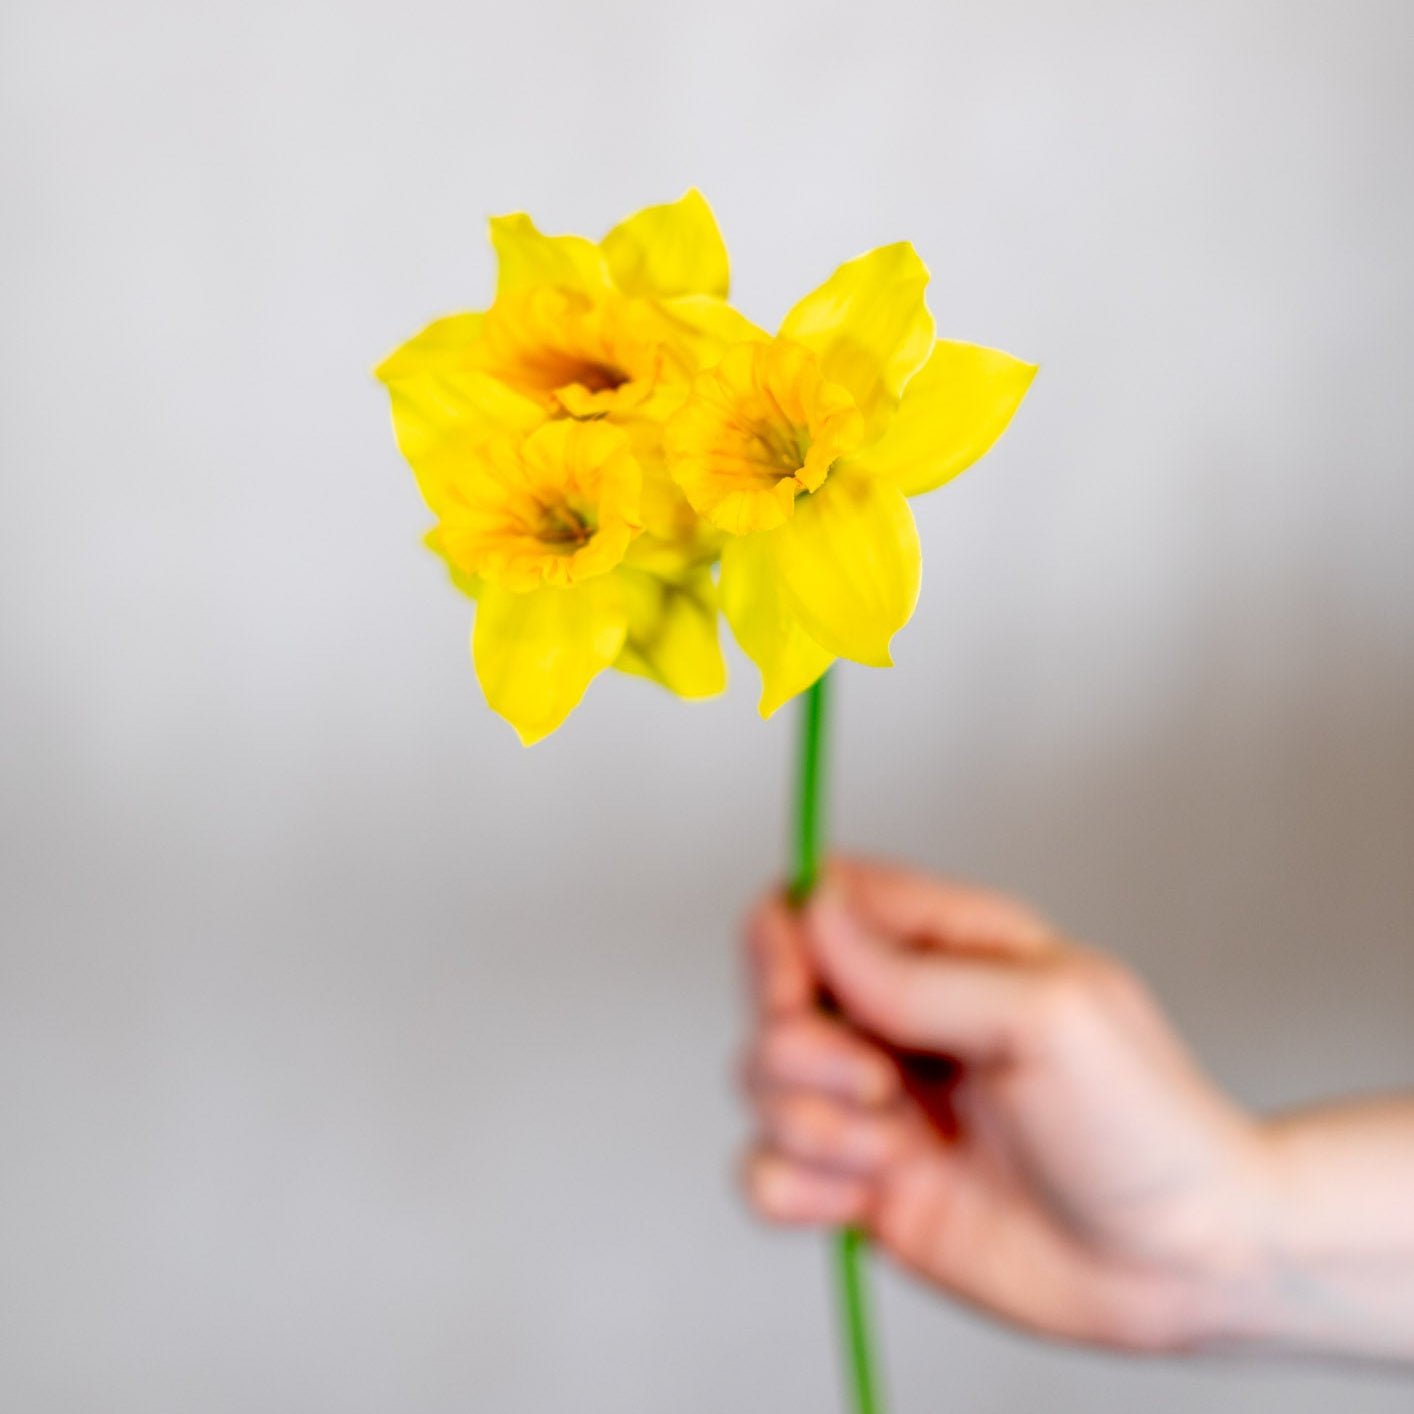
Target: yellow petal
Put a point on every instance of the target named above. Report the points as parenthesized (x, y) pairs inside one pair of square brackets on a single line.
[(469, 584), (849, 565), (528, 257), (758, 428), (441, 416), (675, 533), (769, 634), (555, 508), (456, 405), (670, 250), (869, 326), (953, 410), (706, 327), (536, 653), (444, 342), (672, 631)]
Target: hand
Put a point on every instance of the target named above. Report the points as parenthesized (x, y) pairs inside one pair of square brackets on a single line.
[(1006, 1113)]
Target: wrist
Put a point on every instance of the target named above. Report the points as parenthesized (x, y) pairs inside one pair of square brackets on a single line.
[(1233, 1305), (1328, 1238)]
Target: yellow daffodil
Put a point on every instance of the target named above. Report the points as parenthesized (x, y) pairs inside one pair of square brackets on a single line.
[(670, 610), (594, 442), (610, 427), (535, 431), (541, 524), (804, 448), (540, 530), (615, 330)]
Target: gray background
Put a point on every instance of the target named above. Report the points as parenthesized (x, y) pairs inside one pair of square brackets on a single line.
[(353, 1059)]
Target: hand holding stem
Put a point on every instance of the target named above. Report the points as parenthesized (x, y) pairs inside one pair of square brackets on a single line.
[(1010, 1116)]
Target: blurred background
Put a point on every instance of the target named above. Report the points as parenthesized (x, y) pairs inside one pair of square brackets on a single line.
[(353, 1058)]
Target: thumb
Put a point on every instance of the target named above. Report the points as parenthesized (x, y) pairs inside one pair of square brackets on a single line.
[(964, 1005)]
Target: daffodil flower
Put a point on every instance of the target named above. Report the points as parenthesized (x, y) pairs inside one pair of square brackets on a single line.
[(539, 530), (534, 429), (594, 442), (663, 594), (804, 450), (614, 330)]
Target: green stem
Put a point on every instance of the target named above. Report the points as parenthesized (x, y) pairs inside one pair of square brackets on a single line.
[(851, 1248), (850, 1243), (810, 790)]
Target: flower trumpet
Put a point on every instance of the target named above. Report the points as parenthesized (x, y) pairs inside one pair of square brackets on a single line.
[(805, 448)]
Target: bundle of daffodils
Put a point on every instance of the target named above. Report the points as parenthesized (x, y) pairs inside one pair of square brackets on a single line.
[(613, 454)]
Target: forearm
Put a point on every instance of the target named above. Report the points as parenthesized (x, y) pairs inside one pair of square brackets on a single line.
[(1336, 1244)]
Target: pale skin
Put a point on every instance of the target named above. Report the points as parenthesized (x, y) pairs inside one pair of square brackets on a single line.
[(1010, 1117)]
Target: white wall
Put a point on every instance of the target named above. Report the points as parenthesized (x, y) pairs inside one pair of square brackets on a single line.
[(352, 1059)]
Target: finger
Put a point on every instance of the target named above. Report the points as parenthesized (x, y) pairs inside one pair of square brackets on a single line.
[(808, 1051), (969, 1006), (827, 1134), (781, 975), (908, 904), (783, 1191)]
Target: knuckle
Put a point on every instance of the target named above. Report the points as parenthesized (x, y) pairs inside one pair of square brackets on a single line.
[(1118, 985), (1069, 996), (810, 1128), (770, 1188), (1107, 983), (777, 1049), (793, 1047)]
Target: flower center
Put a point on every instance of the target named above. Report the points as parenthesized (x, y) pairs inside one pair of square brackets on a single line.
[(598, 377), (564, 528), (572, 353), (757, 430), (556, 508), (772, 449)]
